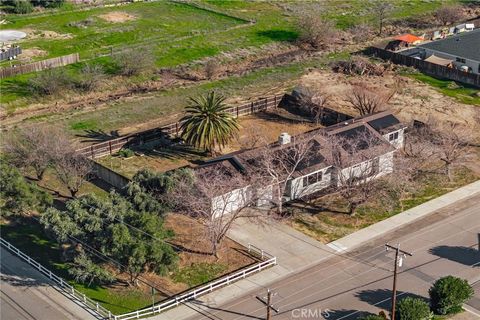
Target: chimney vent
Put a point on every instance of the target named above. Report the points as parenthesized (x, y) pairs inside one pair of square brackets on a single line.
[(284, 138)]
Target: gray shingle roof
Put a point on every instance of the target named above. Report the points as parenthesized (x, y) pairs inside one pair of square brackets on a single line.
[(465, 45)]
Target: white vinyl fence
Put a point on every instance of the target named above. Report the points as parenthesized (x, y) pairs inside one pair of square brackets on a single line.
[(267, 260), (71, 292)]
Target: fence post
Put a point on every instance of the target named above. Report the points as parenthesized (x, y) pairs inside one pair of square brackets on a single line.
[(237, 111), (91, 151), (262, 253), (275, 101), (110, 146), (84, 298), (251, 107)]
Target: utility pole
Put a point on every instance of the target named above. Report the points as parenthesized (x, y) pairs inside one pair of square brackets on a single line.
[(398, 263), (267, 301)]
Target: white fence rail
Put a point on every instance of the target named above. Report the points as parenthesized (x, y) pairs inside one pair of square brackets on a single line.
[(71, 292), (267, 261)]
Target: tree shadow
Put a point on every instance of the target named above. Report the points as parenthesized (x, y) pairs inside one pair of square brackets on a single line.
[(275, 117), (98, 135), (173, 151), (464, 255), (181, 248), (381, 298), (342, 314), (247, 254), (313, 209), (279, 35)]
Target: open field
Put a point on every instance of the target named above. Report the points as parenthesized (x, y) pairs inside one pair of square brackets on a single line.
[(255, 130), (137, 25), (150, 110)]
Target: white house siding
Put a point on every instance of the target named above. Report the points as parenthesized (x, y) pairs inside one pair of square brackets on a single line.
[(230, 201), (385, 166), (266, 196), (297, 190), (398, 143)]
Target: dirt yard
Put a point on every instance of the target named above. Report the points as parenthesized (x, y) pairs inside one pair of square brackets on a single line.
[(30, 53), (255, 130), (413, 100), (117, 17), (195, 249), (45, 34)]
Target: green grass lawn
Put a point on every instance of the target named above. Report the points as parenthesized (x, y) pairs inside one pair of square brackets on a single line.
[(29, 237), (347, 13), (461, 92), (199, 273)]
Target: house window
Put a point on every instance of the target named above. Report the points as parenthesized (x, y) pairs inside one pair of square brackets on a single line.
[(312, 178), (393, 136), (461, 60)]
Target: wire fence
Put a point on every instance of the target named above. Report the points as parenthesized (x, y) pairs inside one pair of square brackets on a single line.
[(71, 292), (266, 261)]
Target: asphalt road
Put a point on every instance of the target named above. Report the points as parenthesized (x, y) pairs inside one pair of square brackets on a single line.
[(347, 286), (26, 294)]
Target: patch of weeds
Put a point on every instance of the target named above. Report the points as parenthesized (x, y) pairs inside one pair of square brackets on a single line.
[(126, 153), (199, 273), (84, 125)]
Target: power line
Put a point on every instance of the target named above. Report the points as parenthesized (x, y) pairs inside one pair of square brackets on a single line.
[(398, 263)]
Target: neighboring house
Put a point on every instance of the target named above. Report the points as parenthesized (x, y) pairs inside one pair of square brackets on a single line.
[(319, 170), (462, 50)]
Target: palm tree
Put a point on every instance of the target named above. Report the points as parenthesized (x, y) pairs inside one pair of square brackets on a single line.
[(207, 123)]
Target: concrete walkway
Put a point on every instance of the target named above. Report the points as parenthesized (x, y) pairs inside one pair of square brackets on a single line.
[(297, 252)]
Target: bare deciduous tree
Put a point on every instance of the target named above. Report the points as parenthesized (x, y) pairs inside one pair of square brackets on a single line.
[(33, 146), (360, 160), (449, 14), (451, 142), (367, 101), (277, 164), (217, 197), (361, 32), (91, 75), (312, 102), (134, 62), (211, 69), (315, 30), (72, 170), (381, 10)]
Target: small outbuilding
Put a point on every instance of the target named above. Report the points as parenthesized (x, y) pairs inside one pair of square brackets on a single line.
[(403, 41)]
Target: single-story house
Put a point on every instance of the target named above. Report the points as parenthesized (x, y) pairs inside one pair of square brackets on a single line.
[(318, 170), (463, 50)]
